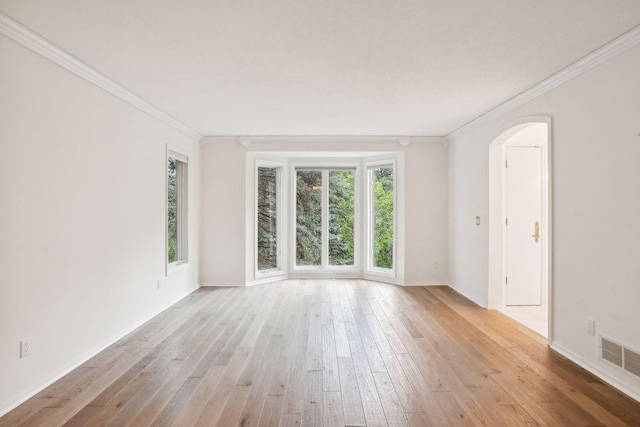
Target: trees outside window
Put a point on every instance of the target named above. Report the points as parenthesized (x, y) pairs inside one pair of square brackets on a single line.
[(267, 222), (308, 218), (176, 208), (336, 217), (325, 210), (382, 216), (341, 217)]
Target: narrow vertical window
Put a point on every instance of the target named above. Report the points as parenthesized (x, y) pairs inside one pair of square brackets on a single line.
[(308, 218), (382, 217), (176, 208), (267, 219), (341, 217)]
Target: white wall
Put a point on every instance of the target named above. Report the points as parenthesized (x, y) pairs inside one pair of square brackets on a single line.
[(223, 214), (468, 198), (82, 220), (426, 214), (223, 222), (595, 153)]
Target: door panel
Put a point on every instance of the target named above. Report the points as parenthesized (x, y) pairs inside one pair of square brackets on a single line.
[(523, 210)]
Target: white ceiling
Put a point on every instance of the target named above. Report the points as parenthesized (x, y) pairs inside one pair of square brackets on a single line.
[(327, 67)]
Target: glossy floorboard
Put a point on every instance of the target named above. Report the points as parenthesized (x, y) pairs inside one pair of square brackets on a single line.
[(332, 353)]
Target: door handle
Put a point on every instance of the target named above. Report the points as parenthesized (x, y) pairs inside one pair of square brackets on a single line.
[(536, 234)]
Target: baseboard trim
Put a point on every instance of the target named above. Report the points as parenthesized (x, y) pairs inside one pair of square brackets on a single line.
[(110, 342), (223, 284), (473, 299), (426, 284), (595, 370)]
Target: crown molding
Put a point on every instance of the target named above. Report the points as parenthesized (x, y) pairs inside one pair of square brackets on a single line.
[(618, 45), (27, 38), (245, 141)]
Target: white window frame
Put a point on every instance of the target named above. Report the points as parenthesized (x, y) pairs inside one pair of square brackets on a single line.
[(182, 222), (280, 213), (325, 165), (395, 274), (371, 213), (289, 161)]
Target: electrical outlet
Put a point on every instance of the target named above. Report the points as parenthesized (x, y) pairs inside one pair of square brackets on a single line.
[(25, 348), (591, 326)]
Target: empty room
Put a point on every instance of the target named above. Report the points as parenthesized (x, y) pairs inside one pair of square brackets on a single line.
[(305, 213)]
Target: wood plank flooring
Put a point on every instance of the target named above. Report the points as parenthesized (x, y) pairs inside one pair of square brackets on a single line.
[(328, 353)]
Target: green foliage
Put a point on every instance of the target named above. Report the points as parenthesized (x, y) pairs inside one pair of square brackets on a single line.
[(383, 217), (309, 218), (341, 217), (267, 219), (172, 210)]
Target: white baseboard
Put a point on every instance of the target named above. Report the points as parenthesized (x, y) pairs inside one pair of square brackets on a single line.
[(426, 284), (113, 340), (630, 391), (469, 297), (223, 284)]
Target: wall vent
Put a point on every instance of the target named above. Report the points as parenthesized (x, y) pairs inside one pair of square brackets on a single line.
[(621, 356), (611, 352), (632, 361)]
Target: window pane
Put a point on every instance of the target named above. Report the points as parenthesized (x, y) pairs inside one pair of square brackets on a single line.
[(382, 217), (341, 214), (267, 219), (308, 217), (172, 210)]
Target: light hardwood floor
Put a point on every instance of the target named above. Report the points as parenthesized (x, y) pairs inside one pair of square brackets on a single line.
[(328, 352)]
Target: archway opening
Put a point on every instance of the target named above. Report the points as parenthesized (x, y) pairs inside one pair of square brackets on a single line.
[(527, 296)]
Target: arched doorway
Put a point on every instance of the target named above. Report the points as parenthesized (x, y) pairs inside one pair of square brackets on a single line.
[(520, 223)]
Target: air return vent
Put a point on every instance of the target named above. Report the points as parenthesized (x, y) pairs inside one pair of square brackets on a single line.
[(623, 357), (611, 352), (632, 361)]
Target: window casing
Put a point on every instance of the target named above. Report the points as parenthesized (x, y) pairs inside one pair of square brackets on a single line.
[(326, 260), (177, 209)]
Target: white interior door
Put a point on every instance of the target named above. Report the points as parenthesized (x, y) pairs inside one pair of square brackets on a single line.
[(523, 252)]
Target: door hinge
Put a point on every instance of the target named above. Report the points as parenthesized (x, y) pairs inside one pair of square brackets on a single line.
[(506, 280), (506, 221), (506, 163)]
